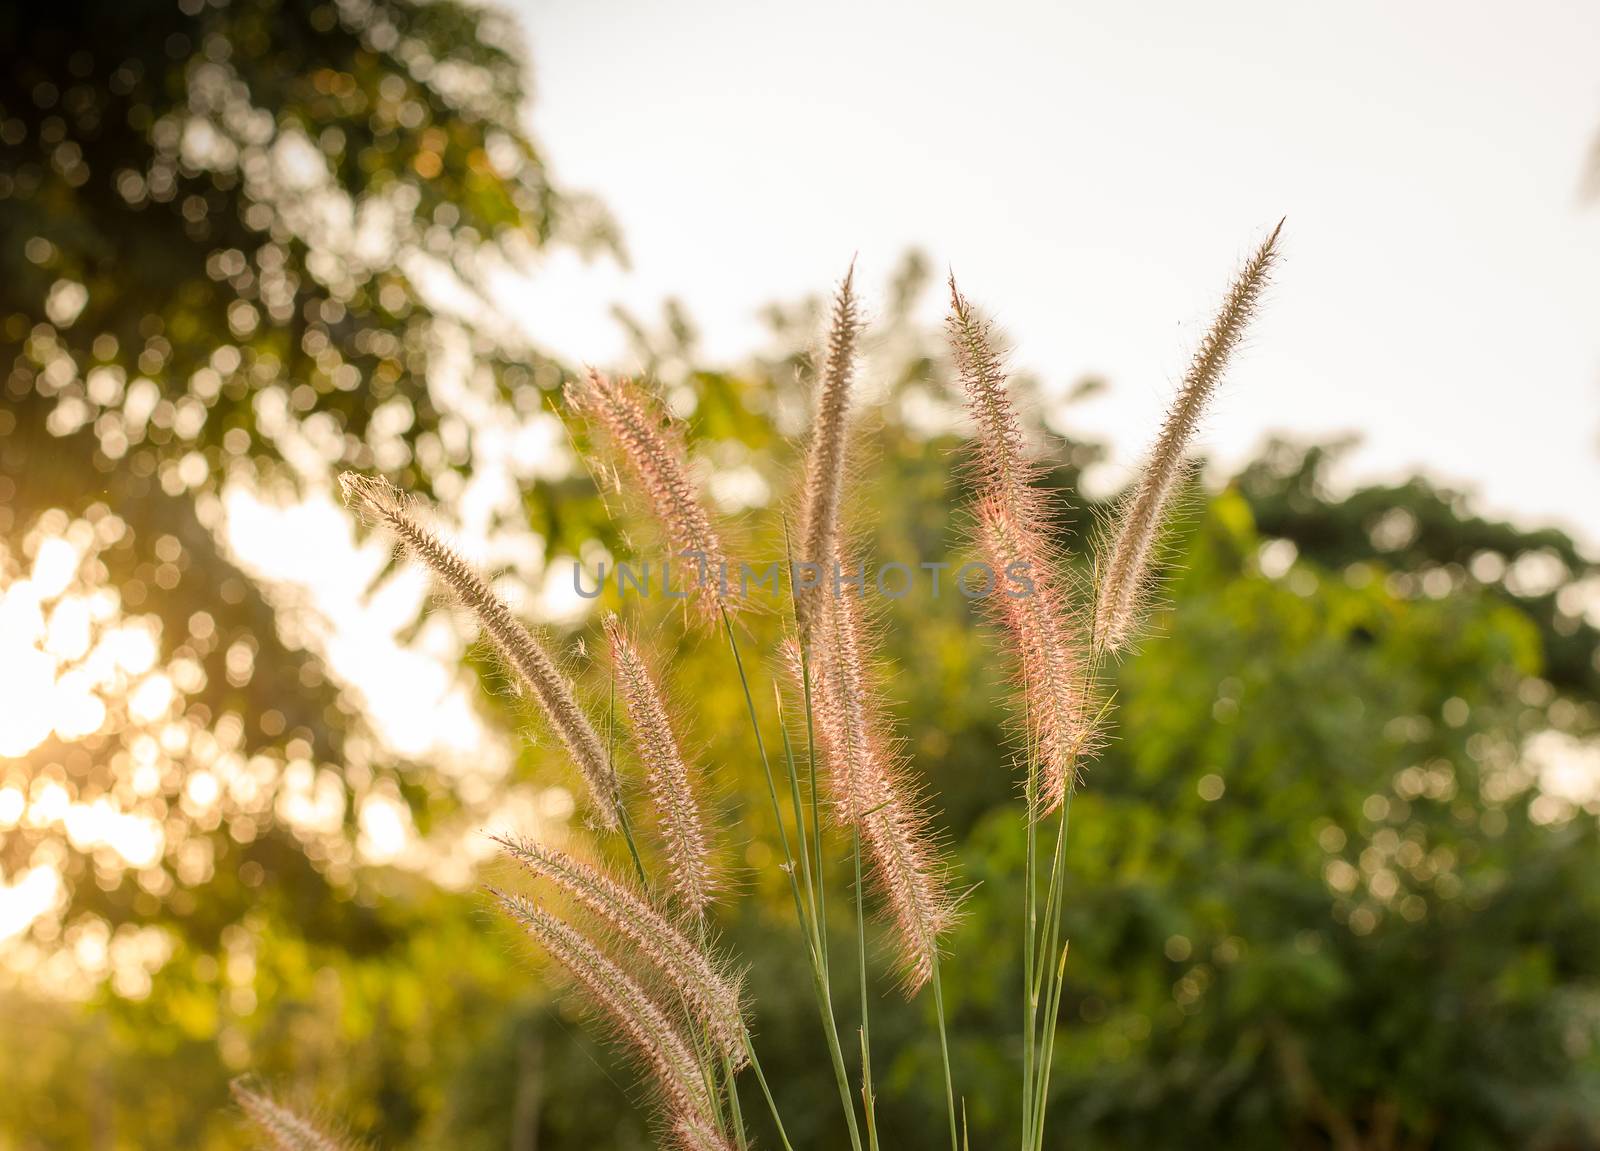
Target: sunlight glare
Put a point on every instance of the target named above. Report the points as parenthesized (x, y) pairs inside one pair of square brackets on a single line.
[(385, 828), (36, 892), (54, 566)]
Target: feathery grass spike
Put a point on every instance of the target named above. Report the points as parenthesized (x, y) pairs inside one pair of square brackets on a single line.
[(534, 667), (285, 1130), (1030, 597), (674, 999), (714, 996), (1129, 551), (656, 744), (1049, 644), (825, 453), (653, 452), (694, 1134), (1003, 464), (872, 791), (635, 1016)]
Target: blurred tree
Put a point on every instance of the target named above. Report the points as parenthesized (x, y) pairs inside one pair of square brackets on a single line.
[(242, 244), (227, 232), (1434, 542)]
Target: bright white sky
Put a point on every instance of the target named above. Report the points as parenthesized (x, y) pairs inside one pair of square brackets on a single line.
[(1094, 172)]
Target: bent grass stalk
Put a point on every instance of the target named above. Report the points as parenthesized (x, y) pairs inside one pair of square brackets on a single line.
[(534, 667)]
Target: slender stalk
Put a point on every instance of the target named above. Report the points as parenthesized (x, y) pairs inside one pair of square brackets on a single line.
[(1030, 931), (708, 1075), (820, 941), (1056, 974), (733, 1104), (623, 821), (626, 826), (944, 1050), (818, 928), (867, 1094), (766, 768), (1054, 903), (703, 1044), (1052, 918), (824, 1000), (821, 898), (831, 1032), (1052, 1009), (816, 819), (766, 1092)]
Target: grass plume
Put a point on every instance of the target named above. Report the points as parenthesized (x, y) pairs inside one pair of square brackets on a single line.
[(867, 774), (656, 744), (632, 1013), (1129, 551), (1004, 466), (1048, 644), (692, 1133), (652, 451), (712, 994), (283, 1129), (533, 667), (825, 451), (872, 791)]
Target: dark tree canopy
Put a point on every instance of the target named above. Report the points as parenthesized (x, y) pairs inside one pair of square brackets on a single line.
[(227, 230)]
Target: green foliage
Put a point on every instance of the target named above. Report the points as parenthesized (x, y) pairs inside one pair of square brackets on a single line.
[(1418, 529), (1312, 903)]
